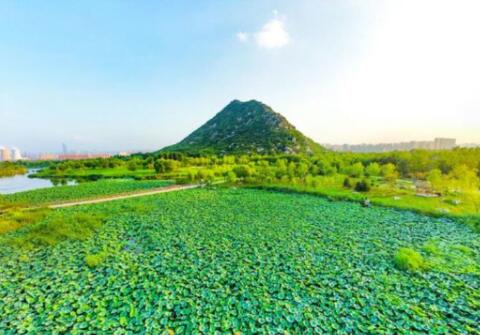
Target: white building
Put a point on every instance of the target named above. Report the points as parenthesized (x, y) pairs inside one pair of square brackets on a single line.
[(16, 154), (5, 154)]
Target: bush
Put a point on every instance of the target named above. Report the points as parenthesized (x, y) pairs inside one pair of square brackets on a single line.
[(56, 229), (408, 259), (166, 165), (231, 177), (431, 248), (362, 186), (15, 218), (132, 166), (94, 260), (346, 183), (243, 171), (472, 221)]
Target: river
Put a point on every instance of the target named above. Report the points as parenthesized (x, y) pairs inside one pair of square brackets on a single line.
[(9, 185)]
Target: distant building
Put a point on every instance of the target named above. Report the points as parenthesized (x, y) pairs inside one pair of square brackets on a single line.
[(16, 154), (64, 149), (444, 143), (47, 157), (84, 156), (436, 144), (5, 154)]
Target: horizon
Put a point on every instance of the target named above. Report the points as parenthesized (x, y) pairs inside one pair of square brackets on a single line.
[(111, 76)]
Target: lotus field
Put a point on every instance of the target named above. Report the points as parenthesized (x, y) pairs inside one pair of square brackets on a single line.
[(243, 261)]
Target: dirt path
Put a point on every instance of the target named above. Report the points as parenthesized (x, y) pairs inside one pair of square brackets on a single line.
[(165, 189)]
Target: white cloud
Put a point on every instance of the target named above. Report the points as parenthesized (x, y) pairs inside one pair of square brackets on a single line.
[(242, 37), (273, 34)]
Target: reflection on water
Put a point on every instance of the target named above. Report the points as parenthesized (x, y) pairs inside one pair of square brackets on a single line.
[(16, 184)]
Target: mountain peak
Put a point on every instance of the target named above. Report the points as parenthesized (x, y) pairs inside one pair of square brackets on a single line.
[(246, 127)]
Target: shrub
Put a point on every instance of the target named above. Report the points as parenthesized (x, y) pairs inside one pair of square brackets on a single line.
[(346, 183), (166, 165), (243, 171), (15, 218), (94, 260), (408, 259), (231, 177), (463, 249), (472, 221), (356, 170), (132, 166), (56, 229), (431, 248), (362, 186), (373, 169)]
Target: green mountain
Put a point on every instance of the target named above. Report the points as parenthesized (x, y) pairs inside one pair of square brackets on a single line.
[(244, 128)]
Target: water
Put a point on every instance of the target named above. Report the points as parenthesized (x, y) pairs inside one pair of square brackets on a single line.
[(22, 183)]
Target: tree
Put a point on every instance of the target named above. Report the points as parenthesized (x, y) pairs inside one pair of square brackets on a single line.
[(362, 186), (292, 169), (372, 169), (389, 173), (356, 170), (464, 178), (231, 177), (437, 180), (243, 171), (165, 165), (302, 170), (132, 165)]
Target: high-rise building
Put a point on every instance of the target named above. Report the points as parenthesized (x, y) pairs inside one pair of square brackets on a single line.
[(444, 143), (16, 154), (5, 154), (64, 149), (436, 144)]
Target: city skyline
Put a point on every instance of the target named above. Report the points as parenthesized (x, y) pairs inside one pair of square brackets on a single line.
[(437, 144), (62, 153), (340, 71)]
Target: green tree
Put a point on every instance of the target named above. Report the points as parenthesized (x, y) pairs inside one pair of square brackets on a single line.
[(301, 170), (464, 178), (243, 171), (132, 165), (231, 177), (389, 173), (372, 169), (362, 186), (356, 170), (165, 165), (437, 180)]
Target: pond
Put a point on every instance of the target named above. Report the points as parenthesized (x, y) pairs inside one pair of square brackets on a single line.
[(22, 183)]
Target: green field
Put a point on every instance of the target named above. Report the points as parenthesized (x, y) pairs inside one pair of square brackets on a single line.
[(83, 191), (119, 172), (220, 261), (394, 198)]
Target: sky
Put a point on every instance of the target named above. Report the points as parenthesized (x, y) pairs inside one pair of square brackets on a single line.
[(117, 75)]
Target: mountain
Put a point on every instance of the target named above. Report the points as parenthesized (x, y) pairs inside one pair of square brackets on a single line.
[(244, 128)]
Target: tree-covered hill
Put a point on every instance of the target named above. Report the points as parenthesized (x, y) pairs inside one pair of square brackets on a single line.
[(246, 127)]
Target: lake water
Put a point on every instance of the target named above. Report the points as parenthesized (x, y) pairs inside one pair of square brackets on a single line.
[(21, 183)]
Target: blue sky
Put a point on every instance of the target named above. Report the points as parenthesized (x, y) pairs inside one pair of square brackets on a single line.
[(139, 75)]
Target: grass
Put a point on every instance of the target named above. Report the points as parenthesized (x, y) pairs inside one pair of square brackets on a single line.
[(14, 218), (209, 261), (56, 228), (122, 172), (409, 260), (95, 260), (393, 198), (85, 190)]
